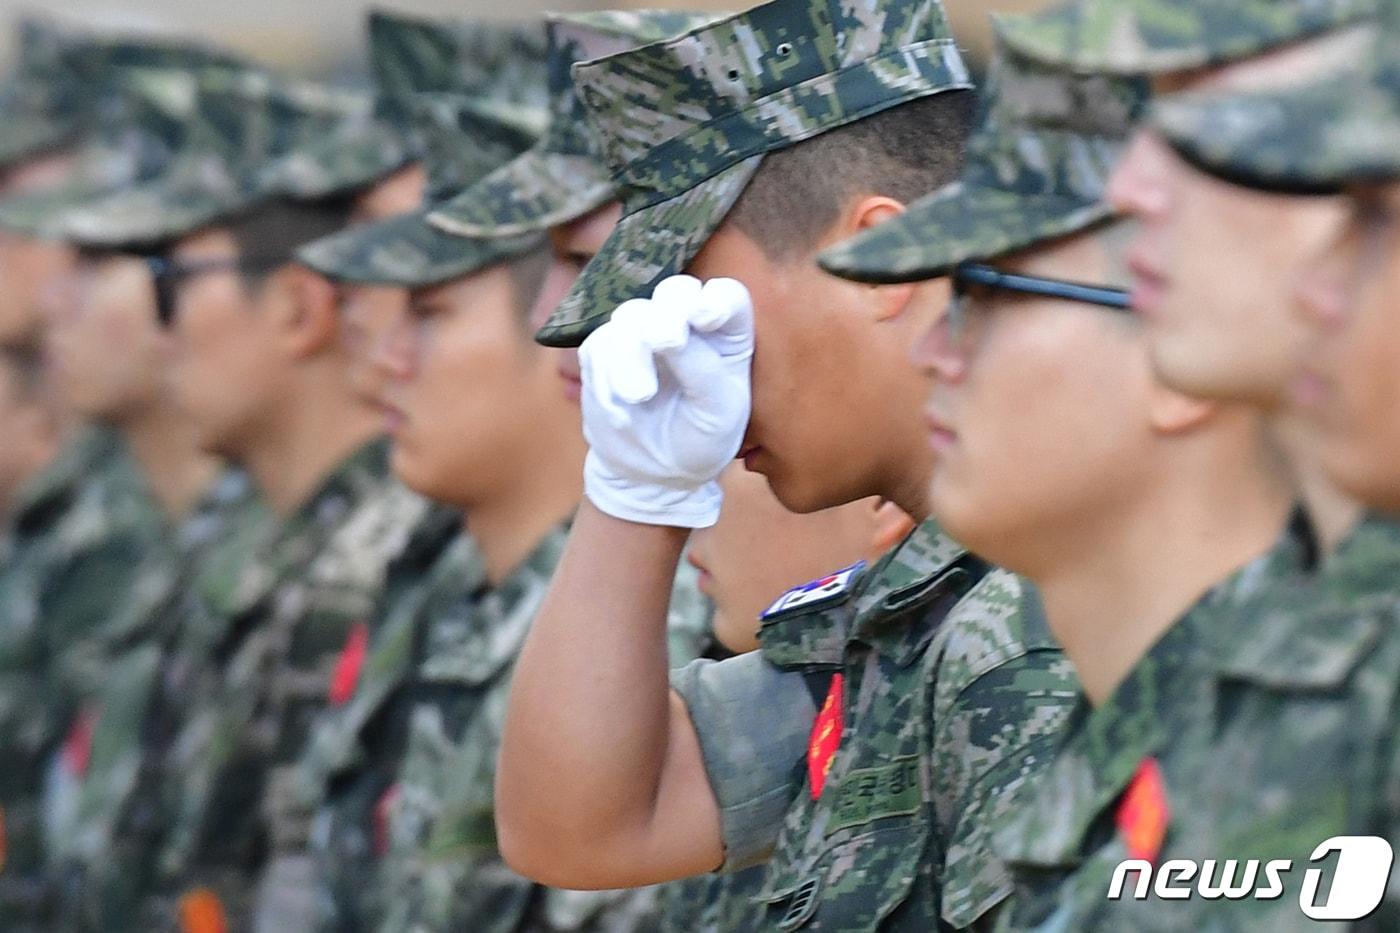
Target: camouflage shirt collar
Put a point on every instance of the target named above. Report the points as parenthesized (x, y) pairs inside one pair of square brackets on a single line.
[(1102, 750), (1309, 630)]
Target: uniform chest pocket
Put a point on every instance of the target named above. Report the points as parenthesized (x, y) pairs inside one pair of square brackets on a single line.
[(858, 880)]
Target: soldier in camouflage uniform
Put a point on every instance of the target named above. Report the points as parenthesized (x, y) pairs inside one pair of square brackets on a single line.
[(1214, 334), (856, 749), (1260, 723), (406, 830), (253, 663), (81, 532), (1325, 136)]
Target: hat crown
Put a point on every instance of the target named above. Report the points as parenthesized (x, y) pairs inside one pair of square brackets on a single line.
[(464, 139), (410, 55), (582, 37), (1048, 130)]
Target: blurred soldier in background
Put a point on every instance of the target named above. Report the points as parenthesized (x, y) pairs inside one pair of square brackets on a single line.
[(420, 823), (85, 525), (29, 421), (259, 368)]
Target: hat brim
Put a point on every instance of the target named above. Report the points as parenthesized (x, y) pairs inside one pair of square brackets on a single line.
[(406, 251), (1114, 37), (537, 190), (332, 166), (956, 224), (647, 245), (1315, 139), (149, 214)]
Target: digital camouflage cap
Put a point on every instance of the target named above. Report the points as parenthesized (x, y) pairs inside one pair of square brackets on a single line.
[(42, 103), (1036, 168), (1317, 137), (410, 57), (243, 121), (564, 176), (502, 61), (145, 96), (684, 123), (464, 139), (1152, 36)]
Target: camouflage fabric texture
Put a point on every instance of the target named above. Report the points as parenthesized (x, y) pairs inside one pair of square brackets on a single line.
[(412, 58), (564, 176), (952, 694), (685, 123), (42, 101), (244, 121), (1151, 36), (440, 869), (79, 532), (1269, 712), (1320, 136), (350, 759), (475, 58), (259, 659), (147, 98), (1036, 168), (89, 850), (465, 140)]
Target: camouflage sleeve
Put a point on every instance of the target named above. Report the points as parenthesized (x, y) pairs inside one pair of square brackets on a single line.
[(1004, 693), (753, 721)]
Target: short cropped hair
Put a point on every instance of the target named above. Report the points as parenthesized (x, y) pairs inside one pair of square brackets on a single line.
[(903, 153), (277, 229)]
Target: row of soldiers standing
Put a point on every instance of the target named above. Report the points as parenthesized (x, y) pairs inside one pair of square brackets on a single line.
[(1132, 600)]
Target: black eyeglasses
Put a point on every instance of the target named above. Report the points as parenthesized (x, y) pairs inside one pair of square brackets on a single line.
[(972, 273), (169, 275)]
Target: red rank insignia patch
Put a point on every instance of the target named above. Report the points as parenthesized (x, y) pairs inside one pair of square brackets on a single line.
[(77, 746), (346, 675), (1143, 813), (201, 911), (826, 736)]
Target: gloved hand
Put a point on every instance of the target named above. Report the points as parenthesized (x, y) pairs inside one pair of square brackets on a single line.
[(666, 401)]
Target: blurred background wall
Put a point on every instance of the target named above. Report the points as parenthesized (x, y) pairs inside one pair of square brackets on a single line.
[(319, 37)]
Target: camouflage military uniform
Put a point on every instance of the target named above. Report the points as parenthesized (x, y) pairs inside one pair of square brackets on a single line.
[(268, 656), (950, 691), (1268, 713), (96, 832), (78, 536)]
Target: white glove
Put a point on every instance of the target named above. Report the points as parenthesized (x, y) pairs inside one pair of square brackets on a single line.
[(666, 401)]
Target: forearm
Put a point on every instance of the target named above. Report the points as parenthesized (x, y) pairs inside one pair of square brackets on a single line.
[(587, 774)]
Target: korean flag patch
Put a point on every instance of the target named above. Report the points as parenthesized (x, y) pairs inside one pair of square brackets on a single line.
[(817, 591)]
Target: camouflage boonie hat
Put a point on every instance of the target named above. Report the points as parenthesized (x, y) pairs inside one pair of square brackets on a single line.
[(685, 123), (465, 139), (243, 121), (1153, 36), (145, 93), (43, 102), (563, 177), (411, 57), (502, 61), (1036, 168), (1313, 138)]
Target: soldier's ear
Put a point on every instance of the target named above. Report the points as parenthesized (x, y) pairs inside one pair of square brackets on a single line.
[(312, 318), (862, 213)]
